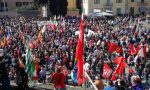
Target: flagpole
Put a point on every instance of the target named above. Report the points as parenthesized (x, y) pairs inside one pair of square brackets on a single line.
[(84, 84)]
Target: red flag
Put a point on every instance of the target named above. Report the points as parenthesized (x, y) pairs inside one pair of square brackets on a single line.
[(114, 77), (120, 68), (117, 60), (79, 53), (106, 71), (112, 47), (40, 37), (138, 48), (132, 49), (119, 49)]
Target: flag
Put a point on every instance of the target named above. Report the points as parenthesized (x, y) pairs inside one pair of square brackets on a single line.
[(74, 75), (132, 50), (8, 38), (119, 49), (53, 24), (120, 69), (21, 64), (107, 71), (138, 48), (55, 17), (43, 29), (30, 66), (8, 35), (118, 60), (79, 53), (112, 47), (141, 53), (3, 41), (63, 23), (40, 37), (34, 70), (28, 57), (20, 61)]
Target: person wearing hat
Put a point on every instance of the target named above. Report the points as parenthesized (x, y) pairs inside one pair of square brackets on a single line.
[(4, 79)]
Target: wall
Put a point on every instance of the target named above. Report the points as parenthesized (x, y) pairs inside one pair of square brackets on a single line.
[(71, 4)]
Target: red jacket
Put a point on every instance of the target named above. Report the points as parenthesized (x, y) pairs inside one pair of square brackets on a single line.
[(59, 79)]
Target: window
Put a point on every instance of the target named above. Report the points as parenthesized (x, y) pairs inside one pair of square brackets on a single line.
[(25, 3), (108, 1), (118, 11), (2, 4), (118, 1), (96, 1), (132, 0), (132, 10), (18, 4), (31, 3), (142, 1)]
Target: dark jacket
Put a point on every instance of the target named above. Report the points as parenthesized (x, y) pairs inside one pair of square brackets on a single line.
[(3, 69)]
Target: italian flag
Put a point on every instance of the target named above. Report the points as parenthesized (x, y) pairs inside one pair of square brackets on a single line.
[(31, 67), (34, 70)]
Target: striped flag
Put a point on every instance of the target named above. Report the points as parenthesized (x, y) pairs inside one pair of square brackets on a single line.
[(30, 65), (107, 71)]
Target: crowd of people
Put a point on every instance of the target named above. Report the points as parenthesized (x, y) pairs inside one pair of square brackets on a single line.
[(55, 51)]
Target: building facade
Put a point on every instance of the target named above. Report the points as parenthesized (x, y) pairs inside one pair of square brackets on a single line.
[(71, 4), (119, 7), (10, 5)]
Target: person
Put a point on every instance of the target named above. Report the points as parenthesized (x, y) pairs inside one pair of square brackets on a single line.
[(42, 74), (110, 86), (59, 79), (122, 85), (4, 79), (147, 71), (22, 79), (137, 84), (99, 83)]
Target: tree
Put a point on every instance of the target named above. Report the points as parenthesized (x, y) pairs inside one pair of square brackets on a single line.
[(43, 1), (79, 5), (58, 7)]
